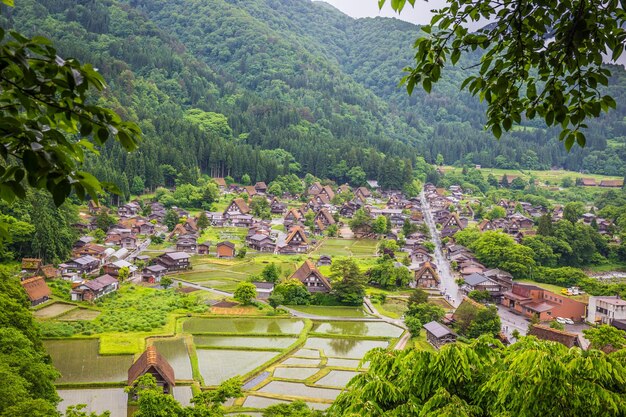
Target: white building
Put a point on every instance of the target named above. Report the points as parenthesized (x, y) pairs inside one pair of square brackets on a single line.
[(605, 309)]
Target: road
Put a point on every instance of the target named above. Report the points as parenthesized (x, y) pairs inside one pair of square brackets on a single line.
[(447, 284)]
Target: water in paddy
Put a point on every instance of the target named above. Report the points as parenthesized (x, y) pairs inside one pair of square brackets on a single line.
[(242, 325), (53, 310), (237, 341), (318, 406), (295, 373), (78, 361), (98, 400), (344, 348), (183, 395), (307, 353), (295, 389), (302, 361), (220, 364), (343, 363), (337, 378), (253, 401), (358, 328), (176, 353)]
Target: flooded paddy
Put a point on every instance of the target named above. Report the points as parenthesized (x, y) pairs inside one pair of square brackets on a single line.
[(220, 364), (302, 361), (177, 354), (343, 363), (238, 341), (295, 389), (295, 373), (78, 361), (98, 400), (344, 348), (358, 328), (254, 401), (242, 325), (337, 378)]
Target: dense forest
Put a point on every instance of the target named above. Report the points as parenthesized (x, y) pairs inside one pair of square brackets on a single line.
[(269, 88)]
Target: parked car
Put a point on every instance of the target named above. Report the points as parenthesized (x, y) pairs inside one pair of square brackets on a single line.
[(569, 321), (561, 320)]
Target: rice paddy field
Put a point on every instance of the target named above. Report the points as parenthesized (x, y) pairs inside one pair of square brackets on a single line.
[(347, 247), (53, 310), (279, 359)]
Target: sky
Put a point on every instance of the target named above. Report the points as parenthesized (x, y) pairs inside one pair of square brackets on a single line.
[(369, 8)]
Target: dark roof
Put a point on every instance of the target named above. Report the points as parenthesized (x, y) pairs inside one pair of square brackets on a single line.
[(264, 285), (438, 330), (475, 279), (36, 288), (177, 255), (296, 230), (151, 358), (156, 268), (547, 333), (99, 283)]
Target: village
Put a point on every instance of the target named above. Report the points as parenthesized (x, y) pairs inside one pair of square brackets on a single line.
[(300, 237)]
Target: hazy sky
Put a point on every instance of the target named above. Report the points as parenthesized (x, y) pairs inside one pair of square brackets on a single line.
[(369, 8)]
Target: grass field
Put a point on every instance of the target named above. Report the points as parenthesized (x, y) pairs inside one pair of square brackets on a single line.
[(553, 177), (347, 247)]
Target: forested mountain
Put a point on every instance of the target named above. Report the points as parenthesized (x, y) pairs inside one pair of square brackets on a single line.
[(218, 85)]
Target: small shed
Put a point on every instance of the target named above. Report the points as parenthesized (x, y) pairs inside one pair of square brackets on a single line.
[(37, 290), (439, 334), (263, 289), (225, 250)]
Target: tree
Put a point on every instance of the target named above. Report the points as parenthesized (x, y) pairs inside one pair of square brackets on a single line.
[(414, 325), (426, 312), (348, 281), (34, 78), (241, 253), (270, 273), (544, 227), (293, 292), (573, 211), (203, 221), (332, 230), (484, 378), (380, 225), (479, 296), (567, 182), (408, 228), (486, 321), (137, 186), (418, 296), (557, 81), (518, 184), (260, 207), (171, 219), (294, 409), (104, 221), (166, 281), (275, 300), (556, 325), (606, 338), (497, 212), (245, 179), (361, 218), (386, 274), (245, 292), (123, 274)]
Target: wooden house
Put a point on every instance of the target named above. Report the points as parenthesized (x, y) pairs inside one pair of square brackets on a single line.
[(36, 289), (276, 207), (312, 278), (95, 288), (260, 187), (90, 249), (187, 243), (328, 192), (439, 334), (324, 260), (479, 282), (293, 217), (31, 265), (237, 206), (174, 261), (260, 242), (48, 271), (362, 193), (203, 248), (152, 362), (81, 265), (426, 276), (296, 242), (153, 273), (315, 189), (250, 190), (220, 182), (323, 219), (588, 182), (225, 250), (612, 183)]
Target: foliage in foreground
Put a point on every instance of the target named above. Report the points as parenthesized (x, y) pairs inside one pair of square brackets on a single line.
[(484, 378)]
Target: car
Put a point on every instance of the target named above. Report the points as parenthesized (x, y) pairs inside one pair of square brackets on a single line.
[(569, 321), (561, 320)]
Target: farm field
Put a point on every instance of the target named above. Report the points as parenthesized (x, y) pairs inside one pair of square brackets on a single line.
[(554, 177), (332, 311), (53, 310)]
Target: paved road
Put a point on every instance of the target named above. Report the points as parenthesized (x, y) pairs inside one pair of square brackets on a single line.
[(201, 287), (445, 274), (142, 246), (511, 321)]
